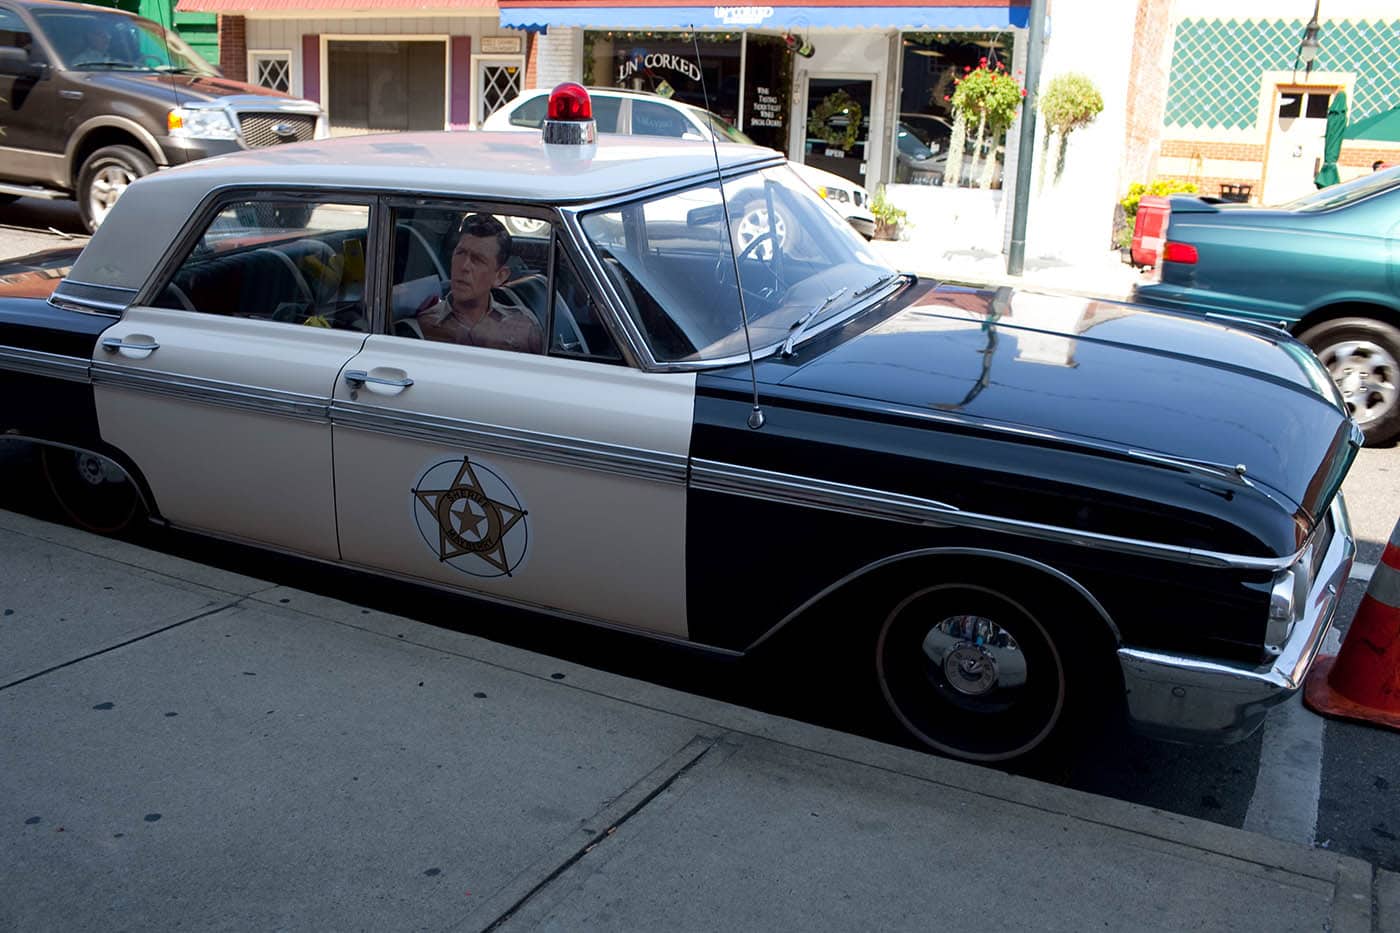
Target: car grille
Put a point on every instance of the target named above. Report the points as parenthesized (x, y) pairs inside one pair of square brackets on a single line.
[(260, 129)]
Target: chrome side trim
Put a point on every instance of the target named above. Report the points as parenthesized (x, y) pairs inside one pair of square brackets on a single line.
[(530, 445), (39, 363), (1197, 699), (947, 552), (788, 489), (213, 392)]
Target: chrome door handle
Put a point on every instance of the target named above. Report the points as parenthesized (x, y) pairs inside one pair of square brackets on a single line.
[(358, 377), (113, 344)]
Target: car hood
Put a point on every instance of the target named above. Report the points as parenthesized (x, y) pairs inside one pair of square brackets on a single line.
[(1108, 375), (180, 89)]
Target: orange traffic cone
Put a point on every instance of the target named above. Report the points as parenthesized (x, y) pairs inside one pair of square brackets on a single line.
[(1362, 681)]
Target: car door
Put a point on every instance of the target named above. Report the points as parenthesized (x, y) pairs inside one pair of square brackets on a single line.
[(33, 115), (530, 466), (218, 386)]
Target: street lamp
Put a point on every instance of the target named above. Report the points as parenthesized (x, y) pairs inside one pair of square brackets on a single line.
[(1307, 50)]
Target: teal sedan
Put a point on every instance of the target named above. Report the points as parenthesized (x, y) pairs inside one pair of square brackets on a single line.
[(1326, 267)]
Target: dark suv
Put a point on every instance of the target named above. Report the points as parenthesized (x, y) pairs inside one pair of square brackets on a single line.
[(92, 99)]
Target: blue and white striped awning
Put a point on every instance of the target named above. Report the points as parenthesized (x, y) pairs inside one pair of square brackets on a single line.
[(777, 17)]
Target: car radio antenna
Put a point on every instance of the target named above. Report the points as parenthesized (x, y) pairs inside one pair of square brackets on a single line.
[(165, 41), (756, 418)]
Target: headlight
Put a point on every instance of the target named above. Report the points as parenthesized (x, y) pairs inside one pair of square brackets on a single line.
[(821, 190), (192, 123)]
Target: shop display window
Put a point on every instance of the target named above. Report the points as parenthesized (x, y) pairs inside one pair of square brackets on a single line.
[(926, 127)]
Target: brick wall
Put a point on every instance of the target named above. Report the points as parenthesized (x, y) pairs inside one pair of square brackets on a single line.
[(532, 61), (1363, 157), (1147, 89), (1190, 149), (233, 47)]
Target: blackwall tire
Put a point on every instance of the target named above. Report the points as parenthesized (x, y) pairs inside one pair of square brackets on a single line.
[(90, 490), (103, 178), (1363, 356), (986, 670)]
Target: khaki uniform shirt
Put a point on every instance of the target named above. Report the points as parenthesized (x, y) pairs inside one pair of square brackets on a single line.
[(503, 327)]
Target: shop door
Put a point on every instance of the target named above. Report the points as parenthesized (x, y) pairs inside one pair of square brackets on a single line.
[(1295, 142), (838, 125), (497, 81), (384, 86)]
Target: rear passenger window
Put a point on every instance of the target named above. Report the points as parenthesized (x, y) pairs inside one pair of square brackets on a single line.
[(652, 119), (294, 262)]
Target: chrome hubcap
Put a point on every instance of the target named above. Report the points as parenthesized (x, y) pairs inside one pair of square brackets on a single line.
[(107, 186), (976, 656), (1367, 376), (95, 471)]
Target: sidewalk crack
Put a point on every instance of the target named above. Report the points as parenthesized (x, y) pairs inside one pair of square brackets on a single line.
[(130, 641)]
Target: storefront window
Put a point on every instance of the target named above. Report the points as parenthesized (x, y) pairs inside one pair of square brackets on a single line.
[(664, 63), (767, 91), (924, 131)]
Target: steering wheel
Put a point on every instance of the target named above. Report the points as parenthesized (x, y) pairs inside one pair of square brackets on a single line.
[(763, 237)]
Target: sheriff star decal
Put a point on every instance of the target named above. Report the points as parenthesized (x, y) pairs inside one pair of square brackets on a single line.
[(471, 518)]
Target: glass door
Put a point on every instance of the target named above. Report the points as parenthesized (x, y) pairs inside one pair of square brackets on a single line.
[(838, 126)]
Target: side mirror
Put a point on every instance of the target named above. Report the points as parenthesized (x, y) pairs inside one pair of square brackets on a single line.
[(16, 62)]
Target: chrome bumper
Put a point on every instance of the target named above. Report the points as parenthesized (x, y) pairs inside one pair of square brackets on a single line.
[(1199, 700)]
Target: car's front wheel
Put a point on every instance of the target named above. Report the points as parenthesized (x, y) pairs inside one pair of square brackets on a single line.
[(1363, 356), (987, 668), (91, 490), (105, 175)]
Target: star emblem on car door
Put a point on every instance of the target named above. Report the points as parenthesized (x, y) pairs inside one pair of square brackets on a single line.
[(470, 521)]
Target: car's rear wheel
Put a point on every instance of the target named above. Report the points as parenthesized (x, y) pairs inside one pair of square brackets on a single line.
[(1363, 356), (986, 668), (105, 175), (91, 490)]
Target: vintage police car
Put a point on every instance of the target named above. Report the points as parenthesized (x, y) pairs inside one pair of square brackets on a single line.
[(647, 416)]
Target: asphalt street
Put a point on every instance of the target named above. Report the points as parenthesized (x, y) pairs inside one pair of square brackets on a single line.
[(1301, 779)]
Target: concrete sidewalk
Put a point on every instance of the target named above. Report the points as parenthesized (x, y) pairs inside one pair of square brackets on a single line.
[(1102, 276), (183, 746)]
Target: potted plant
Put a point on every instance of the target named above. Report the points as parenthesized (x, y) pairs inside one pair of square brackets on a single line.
[(888, 217)]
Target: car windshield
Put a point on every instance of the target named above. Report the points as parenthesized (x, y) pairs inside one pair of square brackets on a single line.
[(721, 127), (96, 40), (669, 259), (1348, 193)]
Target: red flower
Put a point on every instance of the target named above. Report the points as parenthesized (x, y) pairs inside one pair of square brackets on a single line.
[(966, 68), (982, 62), (946, 97), (1023, 92)]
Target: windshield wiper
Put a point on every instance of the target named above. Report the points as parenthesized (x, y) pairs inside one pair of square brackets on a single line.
[(800, 325), (878, 283), (132, 66)]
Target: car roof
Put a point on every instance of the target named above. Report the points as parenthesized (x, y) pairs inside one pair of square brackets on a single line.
[(482, 165), (65, 5)]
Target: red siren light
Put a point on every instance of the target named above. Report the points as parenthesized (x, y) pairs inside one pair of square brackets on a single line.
[(569, 121), (570, 101)]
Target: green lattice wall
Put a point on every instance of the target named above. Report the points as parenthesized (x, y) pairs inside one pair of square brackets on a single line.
[(1217, 66)]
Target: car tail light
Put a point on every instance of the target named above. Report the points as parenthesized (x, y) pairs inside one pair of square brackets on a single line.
[(1179, 252)]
